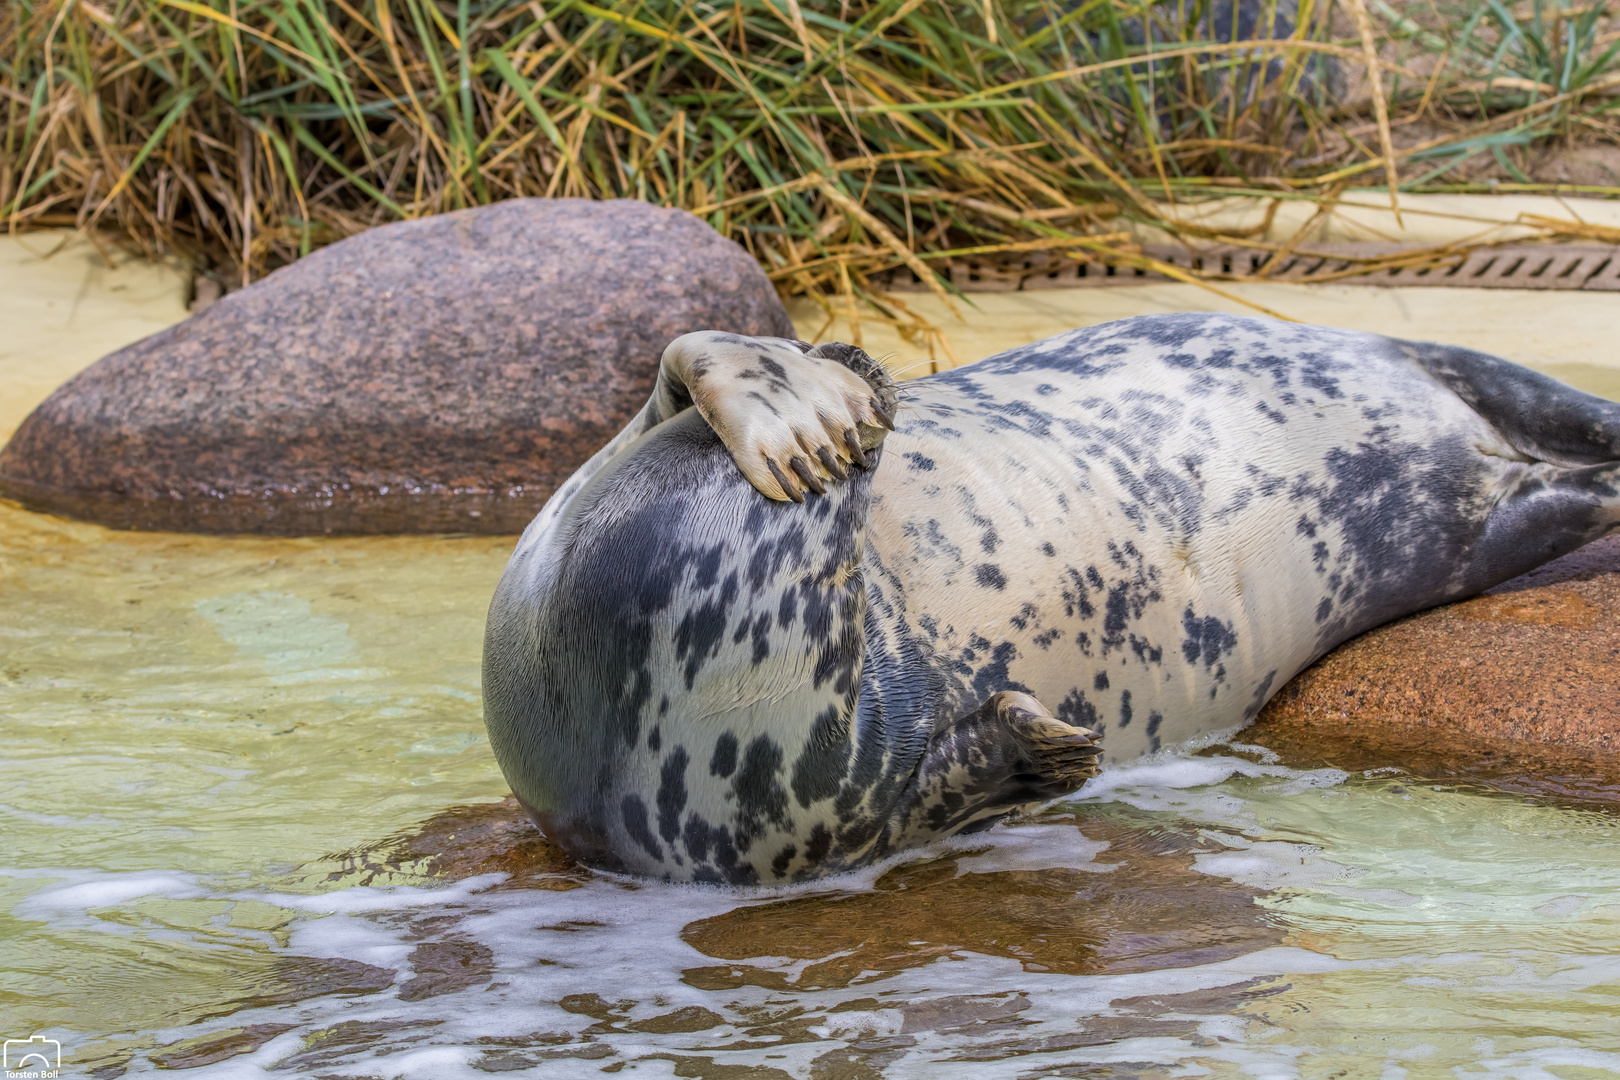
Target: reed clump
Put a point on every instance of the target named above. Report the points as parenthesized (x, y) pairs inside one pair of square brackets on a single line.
[(833, 139)]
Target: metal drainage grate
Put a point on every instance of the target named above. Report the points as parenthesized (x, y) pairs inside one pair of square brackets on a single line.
[(1594, 267)]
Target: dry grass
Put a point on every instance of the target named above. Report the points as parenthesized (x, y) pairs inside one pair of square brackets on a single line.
[(832, 139)]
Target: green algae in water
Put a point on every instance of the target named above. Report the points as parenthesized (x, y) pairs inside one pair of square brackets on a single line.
[(224, 705), (223, 708), (197, 729)]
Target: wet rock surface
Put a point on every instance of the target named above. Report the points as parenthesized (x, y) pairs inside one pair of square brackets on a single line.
[(1128, 911), (1520, 686), (211, 1049), (1141, 905), (1125, 912), (468, 841), (439, 375)]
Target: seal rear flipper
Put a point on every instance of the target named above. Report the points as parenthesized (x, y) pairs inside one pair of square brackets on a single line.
[(1557, 478), (1545, 512), (1536, 414), (1007, 754)]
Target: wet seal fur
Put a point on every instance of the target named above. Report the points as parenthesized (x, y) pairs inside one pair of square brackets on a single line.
[(1149, 526)]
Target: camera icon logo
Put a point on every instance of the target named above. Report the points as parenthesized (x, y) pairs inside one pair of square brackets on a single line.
[(26, 1055)]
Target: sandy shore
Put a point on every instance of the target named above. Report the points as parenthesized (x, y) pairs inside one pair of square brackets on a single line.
[(64, 305)]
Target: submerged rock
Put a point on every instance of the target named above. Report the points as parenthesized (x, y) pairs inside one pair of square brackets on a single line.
[(1122, 906), (439, 375), (1534, 661)]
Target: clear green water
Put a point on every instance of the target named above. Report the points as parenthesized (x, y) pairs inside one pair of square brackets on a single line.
[(197, 730)]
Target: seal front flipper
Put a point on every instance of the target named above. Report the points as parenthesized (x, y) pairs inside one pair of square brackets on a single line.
[(794, 418), (1008, 753)]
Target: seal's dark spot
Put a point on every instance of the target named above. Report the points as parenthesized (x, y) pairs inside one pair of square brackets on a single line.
[(672, 793), (1076, 595), (760, 797), (762, 638), (706, 571), (819, 772), (700, 631), (1146, 651), (1076, 711), (817, 845), (634, 813), (1317, 379), (1258, 701), (724, 759), (696, 838), (1208, 639), (1100, 681), (919, 462), (994, 675), (1271, 414), (990, 576), (783, 858)]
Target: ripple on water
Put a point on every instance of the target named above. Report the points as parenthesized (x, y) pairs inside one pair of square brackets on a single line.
[(252, 827)]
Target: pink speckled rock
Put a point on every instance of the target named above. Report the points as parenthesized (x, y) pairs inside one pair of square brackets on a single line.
[(440, 375), (1533, 663)]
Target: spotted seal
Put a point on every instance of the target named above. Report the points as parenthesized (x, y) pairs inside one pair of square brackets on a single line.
[(760, 637)]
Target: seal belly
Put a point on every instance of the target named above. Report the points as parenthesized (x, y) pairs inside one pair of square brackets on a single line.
[(1152, 525)]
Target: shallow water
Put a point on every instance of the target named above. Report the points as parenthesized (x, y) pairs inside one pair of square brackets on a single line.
[(252, 827)]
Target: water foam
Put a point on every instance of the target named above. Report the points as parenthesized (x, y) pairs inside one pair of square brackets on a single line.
[(602, 974)]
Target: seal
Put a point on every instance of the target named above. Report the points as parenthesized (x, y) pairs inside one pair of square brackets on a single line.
[(760, 637)]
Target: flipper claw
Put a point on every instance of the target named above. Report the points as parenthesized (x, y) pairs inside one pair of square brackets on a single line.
[(810, 479), (788, 487), (830, 462), (792, 416), (852, 443)]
